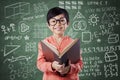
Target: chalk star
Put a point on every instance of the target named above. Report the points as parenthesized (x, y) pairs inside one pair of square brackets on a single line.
[(26, 37)]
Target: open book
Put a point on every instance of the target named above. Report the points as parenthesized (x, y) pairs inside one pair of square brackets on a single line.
[(70, 52)]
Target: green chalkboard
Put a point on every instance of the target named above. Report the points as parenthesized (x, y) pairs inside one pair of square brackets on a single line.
[(95, 22)]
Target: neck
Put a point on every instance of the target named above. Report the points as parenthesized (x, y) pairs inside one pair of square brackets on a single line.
[(58, 36)]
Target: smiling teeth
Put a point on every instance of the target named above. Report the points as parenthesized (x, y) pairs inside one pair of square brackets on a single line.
[(58, 28)]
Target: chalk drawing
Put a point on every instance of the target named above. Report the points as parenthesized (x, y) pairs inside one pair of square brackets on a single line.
[(23, 27), (14, 59), (20, 8), (26, 37), (8, 49), (79, 15), (111, 56), (86, 37), (93, 19), (111, 70), (113, 38)]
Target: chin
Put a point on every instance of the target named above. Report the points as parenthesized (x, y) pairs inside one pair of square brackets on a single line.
[(59, 33)]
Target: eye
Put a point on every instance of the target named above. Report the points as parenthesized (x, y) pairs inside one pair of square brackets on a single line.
[(53, 21), (62, 20)]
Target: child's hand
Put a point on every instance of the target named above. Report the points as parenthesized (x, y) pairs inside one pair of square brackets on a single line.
[(65, 69), (57, 66)]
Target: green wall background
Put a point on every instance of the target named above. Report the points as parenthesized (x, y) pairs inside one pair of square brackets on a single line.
[(95, 22)]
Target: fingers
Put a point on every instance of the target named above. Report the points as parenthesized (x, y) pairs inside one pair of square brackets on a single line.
[(57, 66), (61, 68), (65, 70)]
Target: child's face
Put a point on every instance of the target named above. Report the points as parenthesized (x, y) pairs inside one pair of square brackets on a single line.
[(58, 24)]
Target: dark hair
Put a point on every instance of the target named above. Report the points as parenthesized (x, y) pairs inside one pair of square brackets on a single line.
[(57, 11)]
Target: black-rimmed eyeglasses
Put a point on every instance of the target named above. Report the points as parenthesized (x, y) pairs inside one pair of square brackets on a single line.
[(53, 21)]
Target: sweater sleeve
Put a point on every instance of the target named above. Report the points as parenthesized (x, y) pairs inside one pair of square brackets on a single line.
[(42, 64)]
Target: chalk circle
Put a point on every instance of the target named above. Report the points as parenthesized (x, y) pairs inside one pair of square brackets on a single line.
[(79, 25)]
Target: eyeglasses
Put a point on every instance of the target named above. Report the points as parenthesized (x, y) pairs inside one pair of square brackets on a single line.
[(53, 21)]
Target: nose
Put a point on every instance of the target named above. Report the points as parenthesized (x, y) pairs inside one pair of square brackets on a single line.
[(58, 22)]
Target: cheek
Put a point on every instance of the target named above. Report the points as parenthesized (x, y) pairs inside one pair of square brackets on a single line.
[(51, 28)]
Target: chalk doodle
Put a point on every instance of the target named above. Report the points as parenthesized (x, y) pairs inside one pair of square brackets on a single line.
[(105, 18), (98, 3), (86, 37), (7, 29), (79, 25), (30, 47), (66, 4), (111, 70), (9, 49), (40, 7), (20, 8), (26, 37), (93, 19), (13, 37), (111, 56), (113, 38), (23, 27), (14, 59), (79, 15), (92, 64), (23, 72), (79, 22), (114, 16)]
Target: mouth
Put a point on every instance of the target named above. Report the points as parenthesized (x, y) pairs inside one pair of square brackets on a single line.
[(58, 28)]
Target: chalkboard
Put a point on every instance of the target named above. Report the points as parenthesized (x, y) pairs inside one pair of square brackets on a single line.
[(95, 22)]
